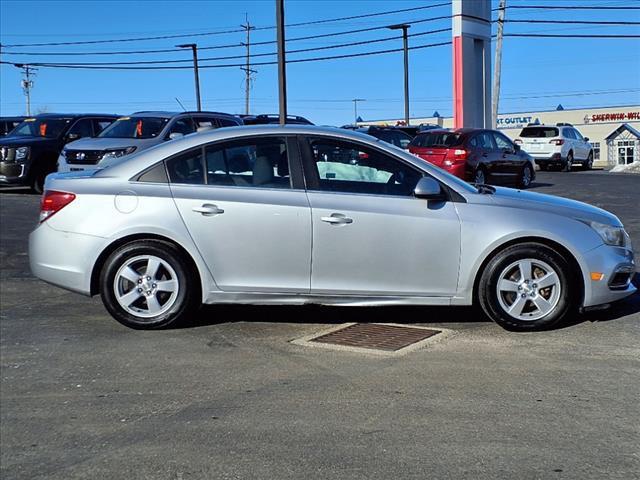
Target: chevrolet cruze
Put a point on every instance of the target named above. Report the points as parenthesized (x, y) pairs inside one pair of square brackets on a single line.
[(301, 214)]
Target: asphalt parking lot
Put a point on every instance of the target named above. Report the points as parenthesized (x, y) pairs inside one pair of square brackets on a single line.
[(229, 397)]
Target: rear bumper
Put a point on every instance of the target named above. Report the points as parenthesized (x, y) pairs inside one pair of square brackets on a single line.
[(546, 159), (64, 259)]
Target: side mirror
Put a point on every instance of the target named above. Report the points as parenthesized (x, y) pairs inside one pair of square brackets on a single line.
[(586, 139), (73, 136), (428, 189), (174, 135), (516, 147)]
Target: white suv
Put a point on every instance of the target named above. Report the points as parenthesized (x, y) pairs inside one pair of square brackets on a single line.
[(560, 145)]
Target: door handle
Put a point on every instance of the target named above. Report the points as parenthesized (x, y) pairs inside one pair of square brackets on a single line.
[(337, 219), (208, 209)]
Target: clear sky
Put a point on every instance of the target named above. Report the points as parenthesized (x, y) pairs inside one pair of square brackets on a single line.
[(538, 73)]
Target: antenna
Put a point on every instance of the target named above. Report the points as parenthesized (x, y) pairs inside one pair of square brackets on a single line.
[(180, 103)]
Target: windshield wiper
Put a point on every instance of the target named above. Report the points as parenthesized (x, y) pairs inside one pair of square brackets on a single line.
[(482, 188)]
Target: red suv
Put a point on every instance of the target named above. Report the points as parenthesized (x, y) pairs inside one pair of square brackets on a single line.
[(477, 155)]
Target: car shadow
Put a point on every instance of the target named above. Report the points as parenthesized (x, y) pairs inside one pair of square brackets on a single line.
[(17, 191), (540, 185), (333, 315)]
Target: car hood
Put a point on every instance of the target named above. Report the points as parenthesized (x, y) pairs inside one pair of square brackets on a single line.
[(111, 143), (22, 141), (538, 202)]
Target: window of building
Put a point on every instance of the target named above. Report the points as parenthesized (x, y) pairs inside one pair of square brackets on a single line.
[(596, 150), (626, 150)]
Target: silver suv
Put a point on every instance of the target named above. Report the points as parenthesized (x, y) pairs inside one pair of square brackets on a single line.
[(560, 145), (139, 131)]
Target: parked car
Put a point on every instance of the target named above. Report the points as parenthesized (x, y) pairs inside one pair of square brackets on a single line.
[(137, 132), (241, 214), (30, 152), (476, 155), (413, 130), (7, 124), (392, 135), (270, 119), (560, 146)]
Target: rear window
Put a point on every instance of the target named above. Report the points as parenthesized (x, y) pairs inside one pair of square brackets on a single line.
[(437, 139), (539, 132)]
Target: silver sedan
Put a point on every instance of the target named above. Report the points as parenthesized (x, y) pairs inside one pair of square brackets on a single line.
[(298, 214)]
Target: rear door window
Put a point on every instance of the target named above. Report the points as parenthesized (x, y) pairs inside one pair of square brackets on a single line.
[(82, 128), (568, 133), (183, 126), (485, 141)]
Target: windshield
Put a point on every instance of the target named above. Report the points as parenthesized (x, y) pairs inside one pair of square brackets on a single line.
[(135, 127), (539, 132), (41, 127), (437, 139)]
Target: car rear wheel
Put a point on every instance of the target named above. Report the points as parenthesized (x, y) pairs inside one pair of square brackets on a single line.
[(588, 165), (527, 287), (148, 284), (525, 177), (37, 183), (568, 164)]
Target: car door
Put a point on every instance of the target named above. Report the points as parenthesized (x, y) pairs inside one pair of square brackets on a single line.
[(248, 216), (371, 236), (582, 147), (570, 141), (510, 163)]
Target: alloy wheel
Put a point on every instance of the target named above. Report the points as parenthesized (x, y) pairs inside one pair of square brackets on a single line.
[(146, 286), (528, 289)]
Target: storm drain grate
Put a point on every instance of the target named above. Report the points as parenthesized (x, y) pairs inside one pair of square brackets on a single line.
[(389, 338)]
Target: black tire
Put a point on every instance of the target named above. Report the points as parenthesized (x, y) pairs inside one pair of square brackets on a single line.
[(588, 165), (37, 183), (183, 303), (563, 299), (525, 177), (480, 176), (568, 164)]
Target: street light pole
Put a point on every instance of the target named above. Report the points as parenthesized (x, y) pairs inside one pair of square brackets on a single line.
[(355, 109), (194, 48), (405, 43), (282, 67)]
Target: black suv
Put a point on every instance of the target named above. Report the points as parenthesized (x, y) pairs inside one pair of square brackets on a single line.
[(7, 124), (31, 151), (265, 119), (391, 135)]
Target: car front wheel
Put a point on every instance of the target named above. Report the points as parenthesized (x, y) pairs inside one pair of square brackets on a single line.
[(148, 284), (527, 287)]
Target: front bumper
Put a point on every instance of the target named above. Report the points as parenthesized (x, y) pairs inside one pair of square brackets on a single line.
[(64, 259), (13, 173), (610, 261)]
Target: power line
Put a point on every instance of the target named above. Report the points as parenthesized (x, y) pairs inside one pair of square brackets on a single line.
[(567, 7), (163, 37), (239, 44), (578, 22), (234, 57), (568, 35), (300, 60)]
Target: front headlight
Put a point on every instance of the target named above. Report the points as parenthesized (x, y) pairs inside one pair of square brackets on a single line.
[(22, 153), (614, 236), (120, 152)]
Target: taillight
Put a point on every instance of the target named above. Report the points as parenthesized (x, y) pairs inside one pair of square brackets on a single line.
[(557, 141), (455, 156), (53, 201)]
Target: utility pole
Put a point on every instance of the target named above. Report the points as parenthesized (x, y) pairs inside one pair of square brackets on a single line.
[(355, 109), (497, 67), (405, 43), (194, 49), (282, 67), (247, 69), (27, 83)]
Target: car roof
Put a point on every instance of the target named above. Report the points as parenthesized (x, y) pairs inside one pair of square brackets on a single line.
[(167, 114)]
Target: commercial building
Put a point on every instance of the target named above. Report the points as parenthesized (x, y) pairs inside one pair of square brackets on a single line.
[(614, 132)]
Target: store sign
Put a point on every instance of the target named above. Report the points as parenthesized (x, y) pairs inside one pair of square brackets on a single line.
[(515, 122), (612, 117)]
